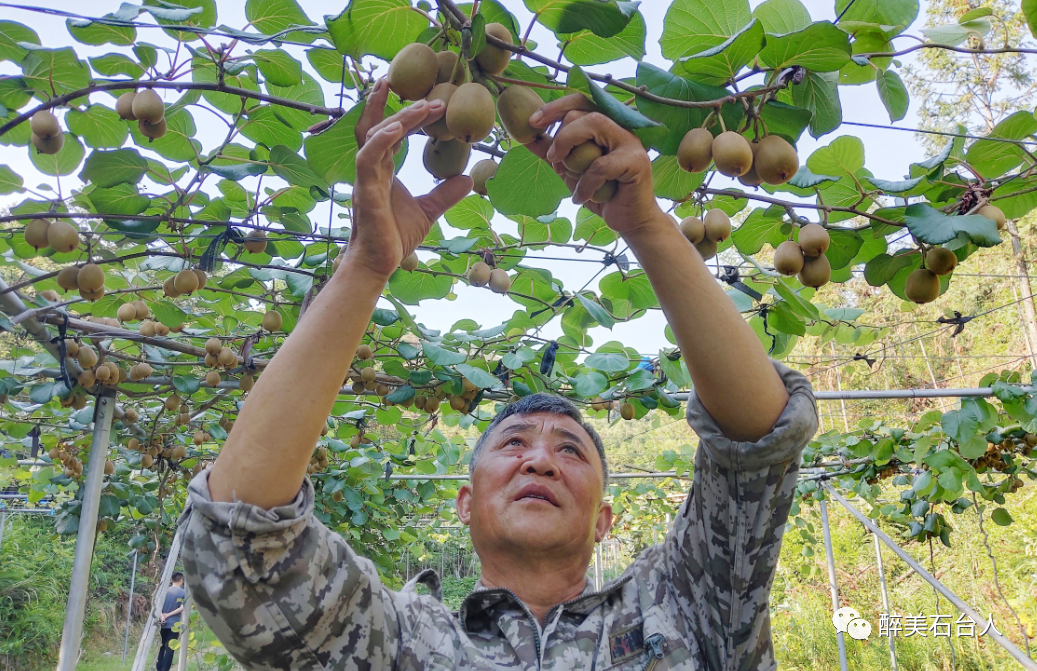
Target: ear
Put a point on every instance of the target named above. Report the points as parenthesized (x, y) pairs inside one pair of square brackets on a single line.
[(604, 523), (464, 504)]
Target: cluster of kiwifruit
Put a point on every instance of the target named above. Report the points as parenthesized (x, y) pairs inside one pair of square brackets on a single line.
[(133, 311), (580, 159), (481, 275), (771, 160), (147, 109), (46, 132), (806, 258), (108, 373), (217, 356), (708, 232), (598, 403), (150, 329), (88, 279), (174, 403), (184, 283), (923, 284), (882, 474), (318, 461), (201, 437), (66, 455), (60, 236)]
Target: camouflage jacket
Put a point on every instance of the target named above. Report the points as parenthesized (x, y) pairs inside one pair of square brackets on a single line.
[(282, 592)]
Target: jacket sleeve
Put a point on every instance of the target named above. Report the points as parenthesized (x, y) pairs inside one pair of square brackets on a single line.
[(722, 551), (283, 592)]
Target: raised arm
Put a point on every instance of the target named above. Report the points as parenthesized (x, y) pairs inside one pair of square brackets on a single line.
[(732, 374), (264, 459)]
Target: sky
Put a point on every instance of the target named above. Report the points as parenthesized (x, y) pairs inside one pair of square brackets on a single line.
[(888, 154)]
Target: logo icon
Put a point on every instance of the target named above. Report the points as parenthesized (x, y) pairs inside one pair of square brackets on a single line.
[(848, 620), (859, 629)]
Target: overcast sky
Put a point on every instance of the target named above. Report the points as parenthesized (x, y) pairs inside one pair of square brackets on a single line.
[(888, 153)]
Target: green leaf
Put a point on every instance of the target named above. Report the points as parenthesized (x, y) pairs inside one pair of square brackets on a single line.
[(604, 18), (608, 362), (178, 144), (953, 34), (295, 170), (1001, 517), (134, 228), (992, 158), (692, 26), (883, 268), (902, 186), (412, 288), (599, 313), (168, 313), (328, 64), (758, 229), (678, 120), (108, 168), (274, 16), (186, 384), (62, 163), (478, 376), (844, 155), (94, 33), (586, 48), (52, 72), (899, 13), (670, 181), (633, 287), (589, 385), (819, 93), (332, 153), (592, 228), (782, 16), (265, 127), (784, 119), (805, 179), (375, 27), (440, 356), (893, 94), (524, 184), (649, 131), (820, 47), (935, 228), (10, 182), (1029, 9), (120, 199), (721, 63), (11, 33), (206, 18), (100, 127), (111, 65), (278, 67)]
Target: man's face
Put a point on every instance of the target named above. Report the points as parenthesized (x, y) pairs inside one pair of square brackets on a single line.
[(537, 487)]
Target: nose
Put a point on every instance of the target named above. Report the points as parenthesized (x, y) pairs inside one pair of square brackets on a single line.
[(540, 461)]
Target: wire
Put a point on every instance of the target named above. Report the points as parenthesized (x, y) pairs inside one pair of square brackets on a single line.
[(937, 132)]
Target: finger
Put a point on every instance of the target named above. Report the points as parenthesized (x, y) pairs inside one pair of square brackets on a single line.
[(595, 126), (557, 109), (378, 146), (542, 143), (413, 117), (445, 196), (374, 110), (608, 167)]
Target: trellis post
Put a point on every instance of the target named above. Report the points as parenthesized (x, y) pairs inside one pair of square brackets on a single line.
[(3, 523), (79, 587), (185, 623), (885, 599), (129, 608), (840, 638)]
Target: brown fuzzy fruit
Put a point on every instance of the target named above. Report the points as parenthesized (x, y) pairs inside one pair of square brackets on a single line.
[(751, 178), (126, 312), (413, 71), (255, 242), (732, 154), (941, 260), (368, 374), (814, 239), (71, 348), (169, 289), (605, 192), (87, 379), (515, 106), (185, 281), (212, 378), (707, 248), (364, 352), (44, 124), (410, 263), (213, 346), (203, 279), (246, 382), (431, 405), (493, 60), (36, 233), (147, 107), (695, 152), (693, 229), (141, 309), (91, 277), (446, 158), (776, 161), (438, 129), (272, 321), (124, 106), (86, 357), (581, 157), (718, 225), (499, 281), (161, 330), (172, 403), (922, 286), (626, 411), (817, 271), (470, 115), (788, 258), (62, 236), (152, 131), (144, 369), (50, 295), (479, 274), (480, 173), (226, 357), (47, 145), (448, 70), (68, 278), (92, 295), (147, 329), (995, 214)]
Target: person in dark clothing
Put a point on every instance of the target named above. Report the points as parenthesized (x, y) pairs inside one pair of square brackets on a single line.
[(172, 609)]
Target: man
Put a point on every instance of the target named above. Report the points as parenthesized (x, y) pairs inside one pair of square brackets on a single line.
[(282, 592), (172, 609)]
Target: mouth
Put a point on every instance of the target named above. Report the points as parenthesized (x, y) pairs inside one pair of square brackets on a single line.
[(535, 493)]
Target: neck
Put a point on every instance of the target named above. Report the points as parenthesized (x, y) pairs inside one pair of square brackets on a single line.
[(539, 584)]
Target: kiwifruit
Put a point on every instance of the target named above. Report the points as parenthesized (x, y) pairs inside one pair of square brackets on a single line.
[(86, 379), (255, 242), (91, 277), (146, 461), (816, 271), (381, 389), (941, 260), (751, 178), (431, 404), (144, 369), (994, 213), (203, 279), (446, 158), (161, 330), (626, 411), (126, 312), (141, 309), (147, 107), (50, 295), (581, 156), (172, 403), (448, 71), (92, 295), (68, 278), (410, 263), (717, 224), (775, 161), (695, 152), (62, 236), (732, 154), (114, 370), (213, 346), (814, 239), (479, 274), (493, 60), (36, 233), (923, 286), (364, 352), (124, 106), (79, 402), (413, 71), (48, 145), (169, 289), (272, 320), (185, 281), (368, 374), (227, 357), (515, 106), (198, 438), (213, 378), (788, 258), (358, 387), (605, 192), (211, 361), (438, 129), (44, 124), (71, 347), (86, 356), (499, 281), (693, 229), (152, 131), (246, 382), (480, 172), (470, 115), (707, 248), (458, 402), (147, 328)]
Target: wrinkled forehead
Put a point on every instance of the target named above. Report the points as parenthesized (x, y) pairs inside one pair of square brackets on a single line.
[(542, 424)]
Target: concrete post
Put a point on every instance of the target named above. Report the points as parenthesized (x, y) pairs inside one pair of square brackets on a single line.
[(840, 637), (129, 609)]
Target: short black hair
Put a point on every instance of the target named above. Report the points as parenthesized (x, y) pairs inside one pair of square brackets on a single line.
[(539, 403), (178, 577)]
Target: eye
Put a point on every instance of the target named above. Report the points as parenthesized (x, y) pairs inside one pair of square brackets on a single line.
[(515, 441), (573, 449)]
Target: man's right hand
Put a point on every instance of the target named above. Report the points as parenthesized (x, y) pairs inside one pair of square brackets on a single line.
[(389, 223)]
